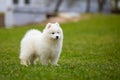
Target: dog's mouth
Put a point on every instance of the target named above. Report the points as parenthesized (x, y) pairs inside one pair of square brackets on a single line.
[(55, 37)]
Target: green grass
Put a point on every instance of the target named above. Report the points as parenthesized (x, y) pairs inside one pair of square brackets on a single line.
[(91, 51)]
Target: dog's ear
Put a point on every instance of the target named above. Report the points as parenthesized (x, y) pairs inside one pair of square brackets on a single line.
[(57, 24), (48, 25)]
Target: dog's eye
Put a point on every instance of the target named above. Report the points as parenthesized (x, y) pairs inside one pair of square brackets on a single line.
[(53, 33), (58, 32)]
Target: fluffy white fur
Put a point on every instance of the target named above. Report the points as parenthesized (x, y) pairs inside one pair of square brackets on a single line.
[(46, 45)]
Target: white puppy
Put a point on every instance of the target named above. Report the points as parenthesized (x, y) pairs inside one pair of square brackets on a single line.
[(46, 46)]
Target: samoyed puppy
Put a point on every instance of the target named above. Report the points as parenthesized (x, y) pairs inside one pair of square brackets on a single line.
[(45, 46)]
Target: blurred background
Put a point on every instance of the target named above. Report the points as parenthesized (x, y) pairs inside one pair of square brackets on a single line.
[(23, 12), (91, 46)]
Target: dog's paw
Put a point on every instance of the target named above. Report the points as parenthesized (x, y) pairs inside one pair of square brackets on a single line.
[(55, 64), (24, 63)]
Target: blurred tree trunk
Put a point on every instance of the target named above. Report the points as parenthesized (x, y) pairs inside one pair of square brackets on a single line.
[(88, 6), (100, 5), (58, 5), (54, 13), (116, 4)]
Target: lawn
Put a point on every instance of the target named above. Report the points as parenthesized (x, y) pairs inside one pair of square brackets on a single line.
[(91, 51)]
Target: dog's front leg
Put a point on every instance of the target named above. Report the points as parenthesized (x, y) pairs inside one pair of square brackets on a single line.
[(44, 60)]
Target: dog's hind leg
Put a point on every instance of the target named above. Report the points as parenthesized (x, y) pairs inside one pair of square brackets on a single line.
[(32, 59), (24, 59), (23, 62)]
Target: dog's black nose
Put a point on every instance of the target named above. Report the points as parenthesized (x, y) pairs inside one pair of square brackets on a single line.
[(57, 37)]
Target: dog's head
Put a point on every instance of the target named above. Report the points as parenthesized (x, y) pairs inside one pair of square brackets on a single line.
[(53, 31)]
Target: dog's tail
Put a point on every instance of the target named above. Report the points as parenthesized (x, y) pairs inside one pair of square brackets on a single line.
[(33, 32)]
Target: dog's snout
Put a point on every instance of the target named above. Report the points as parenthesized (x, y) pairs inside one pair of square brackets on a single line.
[(57, 37)]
